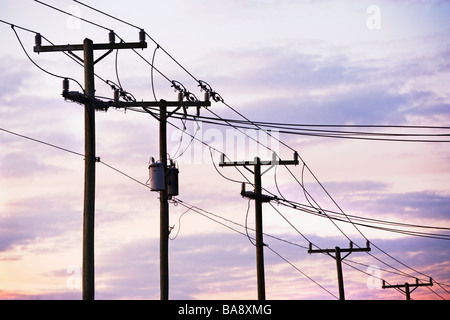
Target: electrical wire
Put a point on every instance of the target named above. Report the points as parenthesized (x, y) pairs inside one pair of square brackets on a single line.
[(316, 209), (305, 166), (151, 73), (70, 56), (202, 212), (105, 28), (148, 35), (72, 15), (38, 66), (179, 223), (246, 224), (300, 131), (41, 142), (192, 207)]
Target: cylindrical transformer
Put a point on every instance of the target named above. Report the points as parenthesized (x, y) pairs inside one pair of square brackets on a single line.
[(156, 176), (172, 189)]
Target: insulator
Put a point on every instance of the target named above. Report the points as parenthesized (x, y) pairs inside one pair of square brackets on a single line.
[(116, 95), (142, 35), (112, 37), (38, 39), (65, 85)]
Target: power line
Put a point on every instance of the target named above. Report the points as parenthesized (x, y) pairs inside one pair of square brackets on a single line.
[(38, 66), (300, 131), (42, 142), (72, 15), (305, 166), (206, 213), (150, 37), (197, 209)]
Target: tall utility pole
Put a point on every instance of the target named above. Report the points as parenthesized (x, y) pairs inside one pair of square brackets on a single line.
[(259, 199), (408, 287), (164, 194), (337, 256), (88, 47), (89, 174), (164, 209)]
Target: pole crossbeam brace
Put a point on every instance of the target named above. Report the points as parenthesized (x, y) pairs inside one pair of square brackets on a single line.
[(104, 105), (96, 46), (408, 287), (337, 251), (160, 103), (259, 199), (274, 161)]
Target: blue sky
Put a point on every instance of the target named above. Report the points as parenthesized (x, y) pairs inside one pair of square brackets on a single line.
[(309, 62)]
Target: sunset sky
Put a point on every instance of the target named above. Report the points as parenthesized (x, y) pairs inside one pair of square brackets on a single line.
[(300, 62)]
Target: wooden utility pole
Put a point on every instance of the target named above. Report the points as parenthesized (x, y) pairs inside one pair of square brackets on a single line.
[(91, 104), (337, 256), (259, 199), (89, 174), (164, 208), (88, 47), (408, 287)]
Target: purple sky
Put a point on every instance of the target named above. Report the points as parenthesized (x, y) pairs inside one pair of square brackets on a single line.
[(308, 62)]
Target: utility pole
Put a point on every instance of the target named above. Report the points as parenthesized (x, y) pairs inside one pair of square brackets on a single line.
[(408, 287), (89, 178), (164, 208), (337, 256), (164, 193), (259, 199), (88, 47), (164, 190)]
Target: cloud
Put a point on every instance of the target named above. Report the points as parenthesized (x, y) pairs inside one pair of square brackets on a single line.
[(31, 220), (374, 197)]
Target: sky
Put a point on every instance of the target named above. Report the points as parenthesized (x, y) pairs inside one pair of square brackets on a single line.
[(304, 62)]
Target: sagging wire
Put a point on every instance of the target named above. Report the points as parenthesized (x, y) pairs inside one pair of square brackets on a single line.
[(246, 224), (179, 221), (38, 36)]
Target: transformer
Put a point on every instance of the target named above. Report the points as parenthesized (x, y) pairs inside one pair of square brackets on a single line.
[(156, 176), (172, 181)]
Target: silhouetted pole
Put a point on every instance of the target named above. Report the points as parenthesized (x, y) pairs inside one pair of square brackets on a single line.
[(259, 199), (89, 174), (408, 286), (259, 231), (337, 251), (164, 209), (88, 47)]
